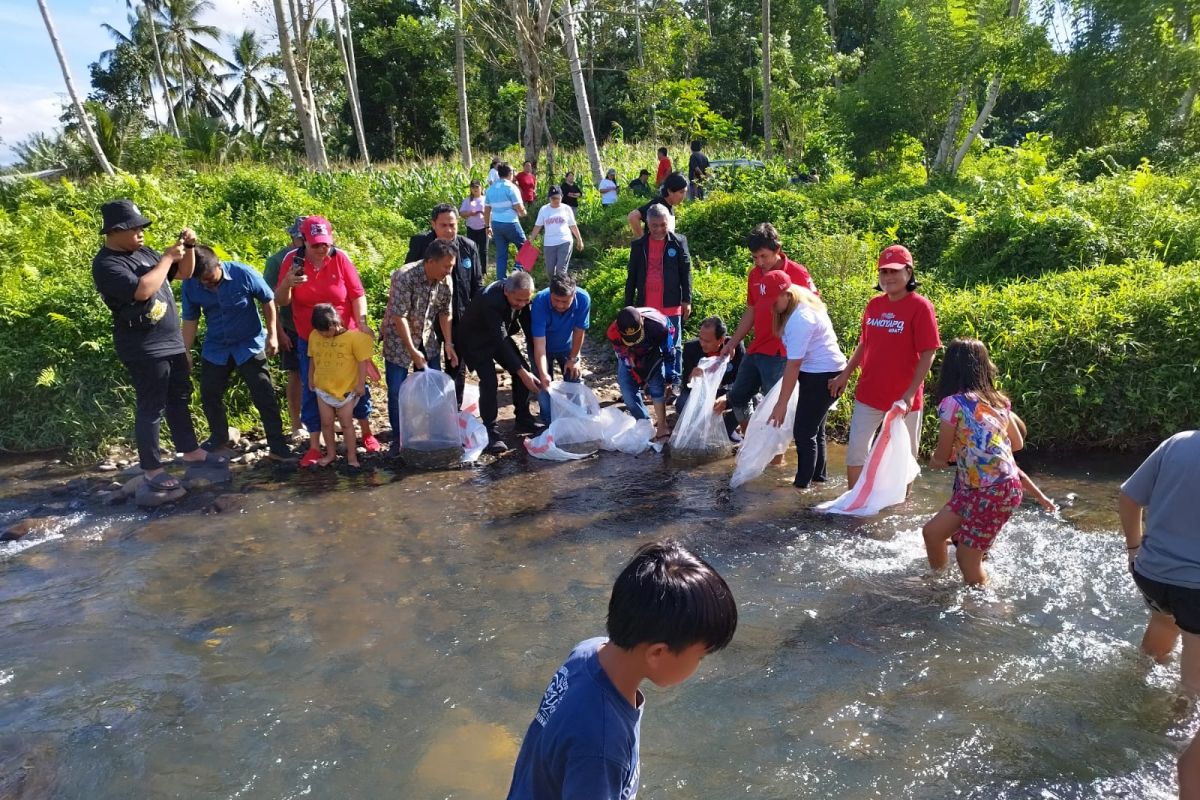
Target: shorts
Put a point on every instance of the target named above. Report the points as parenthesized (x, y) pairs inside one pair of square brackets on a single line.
[(1179, 602), (865, 422), (335, 401), (289, 361), (984, 510)]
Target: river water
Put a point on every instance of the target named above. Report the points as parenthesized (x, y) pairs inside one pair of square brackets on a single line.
[(391, 635)]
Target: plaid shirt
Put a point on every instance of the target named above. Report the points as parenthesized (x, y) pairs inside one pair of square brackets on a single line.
[(414, 298)]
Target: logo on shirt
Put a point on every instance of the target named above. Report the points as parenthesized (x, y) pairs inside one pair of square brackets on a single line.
[(466, 263), (888, 322), (553, 696)]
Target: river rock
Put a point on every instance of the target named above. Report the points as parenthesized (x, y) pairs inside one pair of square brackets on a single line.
[(107, 466), (30, 525), (27, 768), (200, 476)]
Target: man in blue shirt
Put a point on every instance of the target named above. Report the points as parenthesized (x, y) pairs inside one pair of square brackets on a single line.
[(235, 339), (559, 319), (502, 211)]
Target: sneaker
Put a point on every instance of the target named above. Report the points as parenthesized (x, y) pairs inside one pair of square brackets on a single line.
[(281, 455), (527, 425), (311, 457), (371, 444)]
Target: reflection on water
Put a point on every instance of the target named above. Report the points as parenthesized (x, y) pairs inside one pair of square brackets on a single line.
[(390, 636)]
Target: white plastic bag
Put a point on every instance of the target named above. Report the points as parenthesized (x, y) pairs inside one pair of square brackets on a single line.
[(763, 441), (699, 433), (429, 431), (473, 434), (567, 439), (890, 468), (470, 403), (569, 399), (620, 431)]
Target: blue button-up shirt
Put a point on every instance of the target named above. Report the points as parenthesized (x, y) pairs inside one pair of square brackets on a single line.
[(234, 329)]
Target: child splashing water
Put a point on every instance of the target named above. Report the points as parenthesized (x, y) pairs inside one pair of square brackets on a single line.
[(980, 430)]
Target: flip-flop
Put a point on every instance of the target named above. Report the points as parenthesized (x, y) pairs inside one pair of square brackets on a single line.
[(162, 482), (210, 460)]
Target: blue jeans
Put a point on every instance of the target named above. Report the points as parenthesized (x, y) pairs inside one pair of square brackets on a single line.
[(674, 366), (631, 390), (544, 396), (758, 373), (504, 234), (395, 376), (310, 414)]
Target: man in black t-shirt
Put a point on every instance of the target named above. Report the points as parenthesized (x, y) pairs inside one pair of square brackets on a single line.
[(135, 283), (697, 171)]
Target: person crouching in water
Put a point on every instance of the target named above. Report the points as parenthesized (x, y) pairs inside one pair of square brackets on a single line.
[(338, 377), (980, 430)]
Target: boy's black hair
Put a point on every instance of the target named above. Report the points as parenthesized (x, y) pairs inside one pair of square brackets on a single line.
[(662, 151), (325, 317), (764, 237), (673, 183), (439, 209), (697, 146), (644, 172), (439, 249), (668, 594)]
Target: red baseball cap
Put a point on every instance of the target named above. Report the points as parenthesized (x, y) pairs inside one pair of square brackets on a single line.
[(775, 283), (317, 230), (895, 257)]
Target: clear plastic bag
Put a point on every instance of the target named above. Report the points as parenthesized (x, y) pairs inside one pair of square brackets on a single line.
[(620, 431), (763, 441), (890, 468), (568, 399), (429, 433), (699, 433), (567, 439)]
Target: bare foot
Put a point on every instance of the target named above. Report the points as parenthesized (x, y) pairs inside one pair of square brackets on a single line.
[(777, 461), (326, 461)]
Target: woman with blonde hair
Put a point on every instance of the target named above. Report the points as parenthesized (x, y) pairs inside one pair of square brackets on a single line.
[(813, 358)]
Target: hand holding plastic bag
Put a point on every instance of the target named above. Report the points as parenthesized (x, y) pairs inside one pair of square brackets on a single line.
[(763, 441), (890, 468), (700, 432)]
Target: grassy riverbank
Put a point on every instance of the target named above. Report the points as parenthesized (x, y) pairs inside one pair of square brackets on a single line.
[(1086, 292)]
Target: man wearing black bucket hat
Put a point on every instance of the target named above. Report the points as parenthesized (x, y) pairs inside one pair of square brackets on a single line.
[(643, 339), (135, 283)]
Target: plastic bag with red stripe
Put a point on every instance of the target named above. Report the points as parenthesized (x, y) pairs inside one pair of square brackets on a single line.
[(890, 468)]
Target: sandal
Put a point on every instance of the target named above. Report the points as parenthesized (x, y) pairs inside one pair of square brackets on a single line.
[(210, 460), (162, 482)]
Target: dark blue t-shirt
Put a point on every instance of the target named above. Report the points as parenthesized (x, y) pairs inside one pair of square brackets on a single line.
[(559, 328), (583, 741)]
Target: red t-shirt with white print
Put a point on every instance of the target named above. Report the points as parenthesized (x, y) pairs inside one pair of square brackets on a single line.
[(893, 336)]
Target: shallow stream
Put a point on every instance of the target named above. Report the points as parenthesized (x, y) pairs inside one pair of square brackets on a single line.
[(390, 636)]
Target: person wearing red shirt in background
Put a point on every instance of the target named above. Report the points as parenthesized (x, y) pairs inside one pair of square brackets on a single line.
[(895, 350), (659, 276), (527, 183), (665, 167), (765, 357), (319, 273)]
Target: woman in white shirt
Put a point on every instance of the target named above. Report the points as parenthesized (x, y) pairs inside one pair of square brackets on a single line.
[(608, 188), (558, 219), (813, 358)]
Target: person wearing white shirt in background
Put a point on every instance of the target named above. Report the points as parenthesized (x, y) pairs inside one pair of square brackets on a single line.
[(608, 188), (558, 220), (493, 175)]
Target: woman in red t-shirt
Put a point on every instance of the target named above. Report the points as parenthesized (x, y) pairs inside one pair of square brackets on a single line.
[(898, 340), (527, 182), (323, 274)]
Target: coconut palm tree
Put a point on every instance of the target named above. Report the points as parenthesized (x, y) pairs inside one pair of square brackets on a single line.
[(250, 76), (136, 41), (194, 62), (75, 101)]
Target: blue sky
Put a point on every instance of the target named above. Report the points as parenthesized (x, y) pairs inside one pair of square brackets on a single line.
[(32, 94)]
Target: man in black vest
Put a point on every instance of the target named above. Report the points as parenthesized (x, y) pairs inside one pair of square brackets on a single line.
[(467, 278)]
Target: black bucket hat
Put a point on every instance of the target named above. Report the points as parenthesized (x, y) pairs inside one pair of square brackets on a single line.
[(630, 327), (122, 215)]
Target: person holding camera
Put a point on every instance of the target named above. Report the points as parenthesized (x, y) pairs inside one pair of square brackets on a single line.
[(135, 283), (319, 273)]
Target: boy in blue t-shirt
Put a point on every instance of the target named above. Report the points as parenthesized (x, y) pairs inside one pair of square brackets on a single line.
[(668, 610)]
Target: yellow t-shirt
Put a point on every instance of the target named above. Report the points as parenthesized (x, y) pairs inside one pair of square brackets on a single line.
[(335, 360)]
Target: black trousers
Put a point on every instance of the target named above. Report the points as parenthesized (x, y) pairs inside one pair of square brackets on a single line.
[(162, 386), (459, 373), (812, 407), (214, 380), (489, 385), (480, 238)]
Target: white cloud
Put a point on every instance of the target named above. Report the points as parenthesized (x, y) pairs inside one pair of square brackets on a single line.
[(26, 109)]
